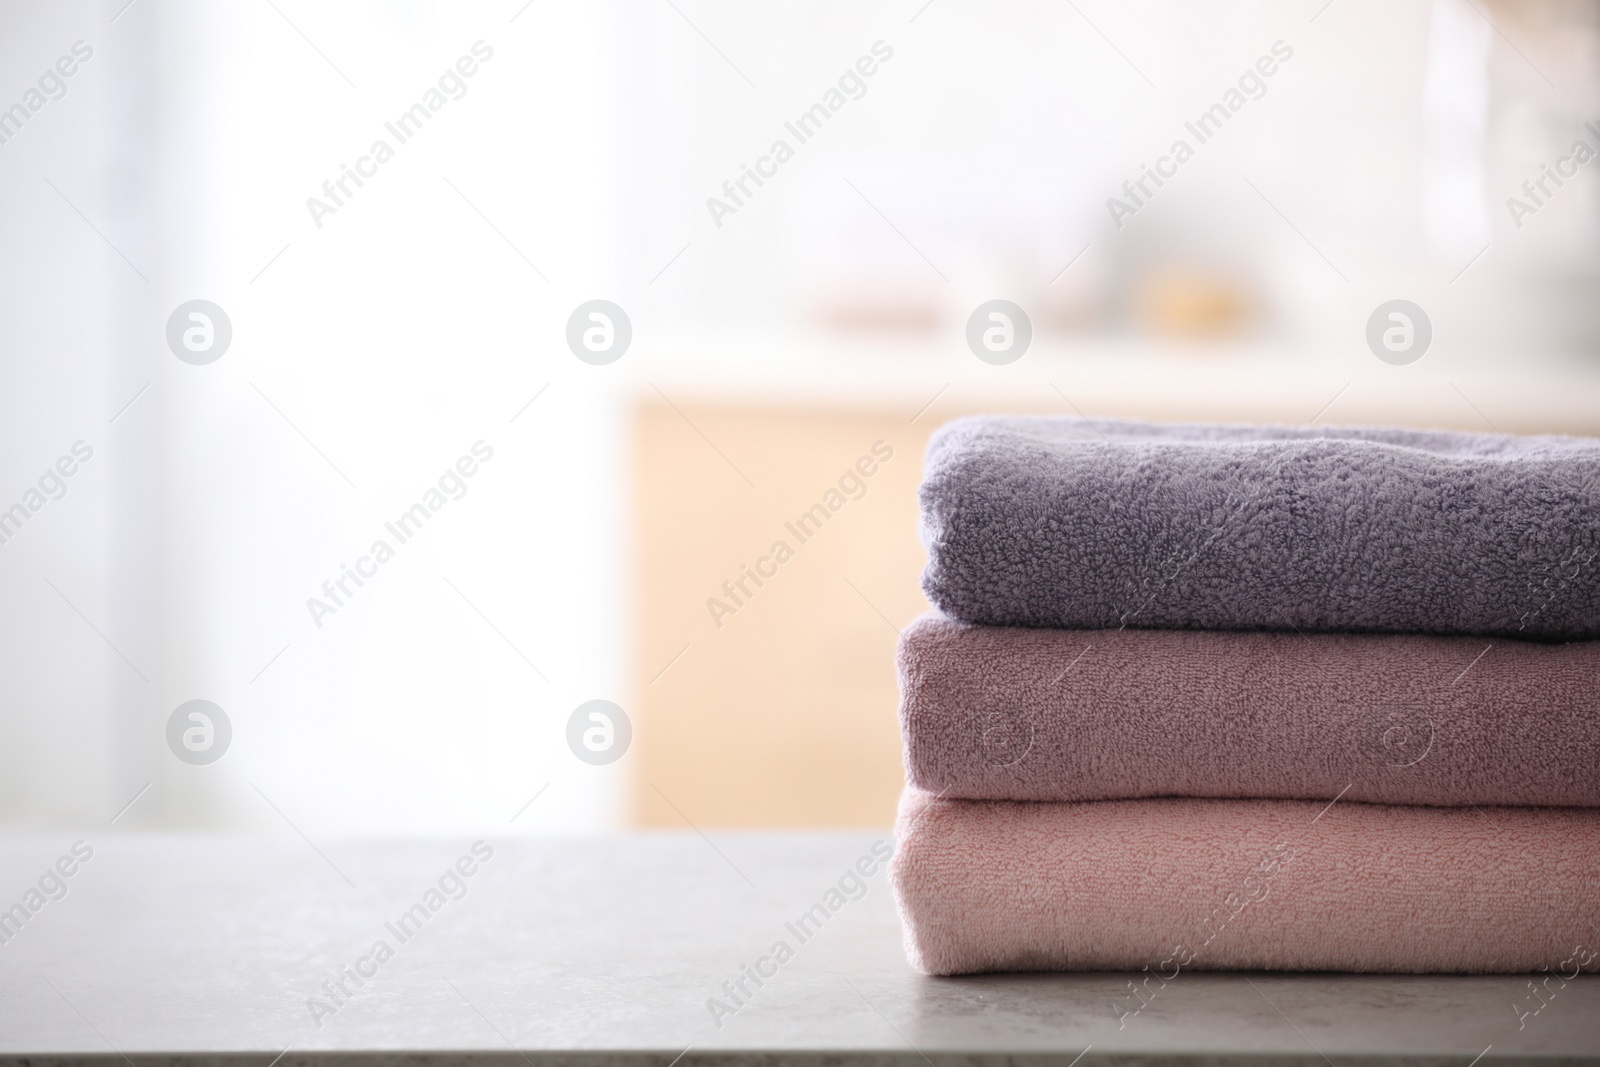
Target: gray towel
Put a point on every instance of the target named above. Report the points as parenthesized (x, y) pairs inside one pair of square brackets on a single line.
[(1063, 522)]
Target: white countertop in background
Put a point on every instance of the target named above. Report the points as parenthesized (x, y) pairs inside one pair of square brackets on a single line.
[(1247, 382)]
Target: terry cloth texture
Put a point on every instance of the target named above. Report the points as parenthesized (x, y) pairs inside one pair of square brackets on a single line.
[(1059, 522), (1007, 713), (1242, 884)]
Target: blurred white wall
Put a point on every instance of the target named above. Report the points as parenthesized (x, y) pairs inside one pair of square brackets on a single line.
[(369, 356), (373, 351)]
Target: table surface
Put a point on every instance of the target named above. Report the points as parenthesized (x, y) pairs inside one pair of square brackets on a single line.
[(214, 949)]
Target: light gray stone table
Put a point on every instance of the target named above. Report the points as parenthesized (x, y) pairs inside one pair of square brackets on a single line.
[(202, 951)]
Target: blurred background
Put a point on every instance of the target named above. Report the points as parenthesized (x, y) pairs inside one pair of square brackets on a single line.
[(783, 327)]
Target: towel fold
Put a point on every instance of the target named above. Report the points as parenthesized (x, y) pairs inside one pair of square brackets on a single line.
[(1009, 713), (1060, 522), (1243, 884)]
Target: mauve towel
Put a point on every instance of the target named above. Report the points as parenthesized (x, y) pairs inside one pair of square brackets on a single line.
[(1060, 522), (1243, 884), (1010, 713)]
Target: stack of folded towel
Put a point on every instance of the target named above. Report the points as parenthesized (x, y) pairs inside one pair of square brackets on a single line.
[(1229, 697)]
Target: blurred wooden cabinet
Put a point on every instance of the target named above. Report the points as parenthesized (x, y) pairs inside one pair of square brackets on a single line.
[(776, 708)]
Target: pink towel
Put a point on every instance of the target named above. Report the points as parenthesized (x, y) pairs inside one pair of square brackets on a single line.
[(1243, 884), (1002, 713)]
